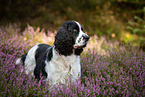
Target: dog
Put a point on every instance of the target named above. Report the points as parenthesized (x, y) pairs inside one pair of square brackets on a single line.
[(59, 62)]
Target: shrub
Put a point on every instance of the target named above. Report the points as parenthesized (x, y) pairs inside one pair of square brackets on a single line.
[(11, 82), (37, 36), (137, 28), (118, 72)]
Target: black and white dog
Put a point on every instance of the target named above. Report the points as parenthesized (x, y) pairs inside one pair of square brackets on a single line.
[(60, 62)]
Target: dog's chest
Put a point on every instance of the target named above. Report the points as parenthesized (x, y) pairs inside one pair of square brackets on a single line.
[(65, 64), (61, 68)]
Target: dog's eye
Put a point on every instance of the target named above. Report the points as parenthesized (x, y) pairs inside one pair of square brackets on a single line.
[(74, 30)]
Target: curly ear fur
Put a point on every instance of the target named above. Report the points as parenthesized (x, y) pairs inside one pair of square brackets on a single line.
[(78, 51), (64, 41)]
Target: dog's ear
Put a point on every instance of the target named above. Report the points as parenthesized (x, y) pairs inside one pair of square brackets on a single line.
[(78, 51), (63, 40)]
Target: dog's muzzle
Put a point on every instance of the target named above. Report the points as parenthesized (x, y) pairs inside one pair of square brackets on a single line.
[(82, 42), (86, 37)]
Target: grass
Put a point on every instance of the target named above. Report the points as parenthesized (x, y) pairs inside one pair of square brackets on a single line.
[(107, 68)]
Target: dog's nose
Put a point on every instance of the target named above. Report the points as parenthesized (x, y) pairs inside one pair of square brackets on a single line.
[(86, 37)]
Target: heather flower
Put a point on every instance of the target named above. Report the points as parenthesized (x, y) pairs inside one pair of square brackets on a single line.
[(111, 72)]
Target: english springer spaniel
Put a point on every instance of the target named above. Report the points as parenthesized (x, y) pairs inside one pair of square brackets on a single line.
[(60, 62)]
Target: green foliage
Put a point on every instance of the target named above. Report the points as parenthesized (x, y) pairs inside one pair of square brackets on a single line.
[(137, 27)]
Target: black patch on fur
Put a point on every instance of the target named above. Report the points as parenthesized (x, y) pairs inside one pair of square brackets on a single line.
[(78, 51), (23, 57), (65, 38), (40, 57), (42, 49)]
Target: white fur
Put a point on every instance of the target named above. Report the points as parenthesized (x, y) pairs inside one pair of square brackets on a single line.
[(62, 68), (79, 40), (30, 62)]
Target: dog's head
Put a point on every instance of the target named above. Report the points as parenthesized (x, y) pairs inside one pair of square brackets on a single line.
[(70, 37)]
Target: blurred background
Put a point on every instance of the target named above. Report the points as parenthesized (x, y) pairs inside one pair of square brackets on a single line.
[(121, 20)]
